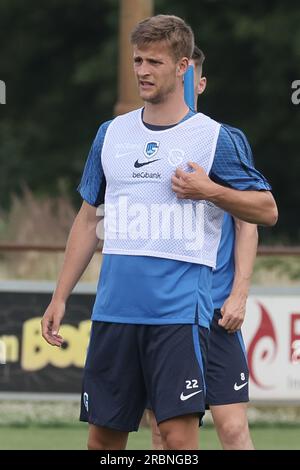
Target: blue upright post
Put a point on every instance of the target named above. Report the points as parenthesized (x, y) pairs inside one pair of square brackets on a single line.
[(189, 87)]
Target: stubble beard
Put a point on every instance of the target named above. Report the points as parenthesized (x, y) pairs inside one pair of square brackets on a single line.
[(161, 96)]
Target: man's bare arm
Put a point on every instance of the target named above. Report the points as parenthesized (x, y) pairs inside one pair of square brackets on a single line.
[(234, 308), (256, 207), (81, 246)]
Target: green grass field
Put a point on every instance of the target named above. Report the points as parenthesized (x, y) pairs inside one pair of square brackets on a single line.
[(74, 437)]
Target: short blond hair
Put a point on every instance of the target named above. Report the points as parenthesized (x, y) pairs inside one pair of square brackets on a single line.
[(172, 29)]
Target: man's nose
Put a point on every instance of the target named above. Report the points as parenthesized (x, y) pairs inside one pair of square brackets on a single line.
[(143, 70)]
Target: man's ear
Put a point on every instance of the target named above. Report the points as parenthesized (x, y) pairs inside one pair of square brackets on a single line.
[(182, 66), (201, 85)]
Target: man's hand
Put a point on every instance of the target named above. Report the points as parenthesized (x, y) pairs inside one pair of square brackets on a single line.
[(51, 323), (233, 312), (196, 185), (253, 206)]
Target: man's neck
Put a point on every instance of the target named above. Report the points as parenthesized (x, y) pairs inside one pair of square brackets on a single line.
[(166, 113)]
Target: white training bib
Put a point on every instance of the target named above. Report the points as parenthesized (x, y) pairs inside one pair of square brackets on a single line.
[(142, 214)]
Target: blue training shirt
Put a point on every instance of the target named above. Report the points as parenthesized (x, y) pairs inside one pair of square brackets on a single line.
[(223, 275), (148, 290)]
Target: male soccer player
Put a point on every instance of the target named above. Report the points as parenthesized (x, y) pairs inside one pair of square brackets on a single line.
[(153, 306), (227, 371)]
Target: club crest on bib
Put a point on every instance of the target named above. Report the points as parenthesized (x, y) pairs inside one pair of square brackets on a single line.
[(175, 157), (151, 148)]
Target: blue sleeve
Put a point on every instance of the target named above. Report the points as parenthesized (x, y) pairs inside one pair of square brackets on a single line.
[(93, 183), (233, 163)]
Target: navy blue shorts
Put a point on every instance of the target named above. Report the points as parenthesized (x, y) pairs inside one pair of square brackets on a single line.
[(127, 364), (227, 374)]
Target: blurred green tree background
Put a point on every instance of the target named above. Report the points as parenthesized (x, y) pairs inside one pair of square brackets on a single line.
[(58, 59)]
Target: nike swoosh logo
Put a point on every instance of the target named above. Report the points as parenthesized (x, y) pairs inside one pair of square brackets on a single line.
[(139, 165), (186, 397), (238, 387)]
